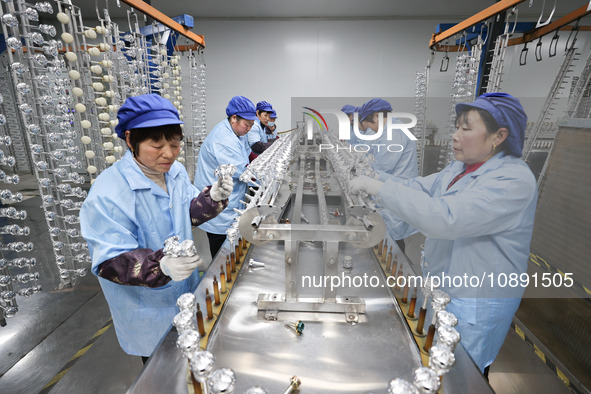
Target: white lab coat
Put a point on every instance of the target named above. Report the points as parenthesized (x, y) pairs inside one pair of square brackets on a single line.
[(223, 146), (125, 211), (482, 227)]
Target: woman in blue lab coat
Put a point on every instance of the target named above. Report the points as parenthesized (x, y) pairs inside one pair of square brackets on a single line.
[(477, 215), (258, 139), (131, 209), (226, 144), (396, 156)]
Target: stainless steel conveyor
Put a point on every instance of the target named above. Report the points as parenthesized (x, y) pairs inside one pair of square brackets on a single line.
[(356, 338)]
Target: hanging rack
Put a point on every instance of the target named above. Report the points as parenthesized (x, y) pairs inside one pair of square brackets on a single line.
[(477, 18), (561, 24)]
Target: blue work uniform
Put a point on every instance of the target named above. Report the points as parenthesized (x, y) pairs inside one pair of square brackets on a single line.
[(482, 227), (125, 211), (223, 146), (257, 133), (273, 134)]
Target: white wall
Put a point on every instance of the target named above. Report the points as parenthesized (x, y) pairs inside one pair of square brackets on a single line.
[(278, 60)]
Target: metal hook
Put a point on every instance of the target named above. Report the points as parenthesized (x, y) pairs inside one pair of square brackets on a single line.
[(540, 24), (463, 44), (485, 24), (553, 43), (444, 63), (576, 30), (515, 12), (137, 22), (96, 8), (523, 55), (538, 51)]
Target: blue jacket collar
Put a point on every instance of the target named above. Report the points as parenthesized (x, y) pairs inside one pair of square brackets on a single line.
[(136, 178), (491, 164)]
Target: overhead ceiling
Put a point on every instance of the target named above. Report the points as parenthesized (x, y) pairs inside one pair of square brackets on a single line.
[(443, 10)]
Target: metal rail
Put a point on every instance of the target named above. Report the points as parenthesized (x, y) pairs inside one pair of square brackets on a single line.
[(479, 17)]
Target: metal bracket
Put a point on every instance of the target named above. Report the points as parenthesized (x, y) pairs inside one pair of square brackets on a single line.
[(271, 314), (271, 304), (523, 55), (444, 63), (352, 317), (553, 43), (538, 51)]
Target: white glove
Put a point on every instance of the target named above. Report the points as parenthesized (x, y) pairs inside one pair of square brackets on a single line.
[(219, 192), (366, 184), (179, 268)]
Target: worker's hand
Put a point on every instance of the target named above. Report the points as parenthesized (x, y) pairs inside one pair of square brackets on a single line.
[(222, 190), (180, 268), (365, 184)]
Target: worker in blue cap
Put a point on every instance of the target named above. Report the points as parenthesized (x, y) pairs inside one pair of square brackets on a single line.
[(227, 143), (478, 215), (396, 156), (349, 110), (131, 209), (271, 127), (257, 137)]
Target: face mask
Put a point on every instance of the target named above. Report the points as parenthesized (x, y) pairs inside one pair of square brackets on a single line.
[(271, 124)]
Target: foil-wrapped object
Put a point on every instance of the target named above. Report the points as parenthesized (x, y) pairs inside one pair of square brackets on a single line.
[(222, 381), (184, 321), (201, 365), (224, 170), (188, 342), (173, 248), (232, 234), (401, 386), (445, 318), (426, 380), (448, 337), (440, 300), (441, 297), (186, 302), (441, 360)]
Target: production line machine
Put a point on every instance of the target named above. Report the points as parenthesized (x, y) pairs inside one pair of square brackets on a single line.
[(303, 297)]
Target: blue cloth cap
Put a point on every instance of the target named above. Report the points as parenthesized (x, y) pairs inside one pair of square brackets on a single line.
[(241, 106), (348, 109), (264, 106), (374, 105), (507, 112), (147, 110), (273, 114)]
